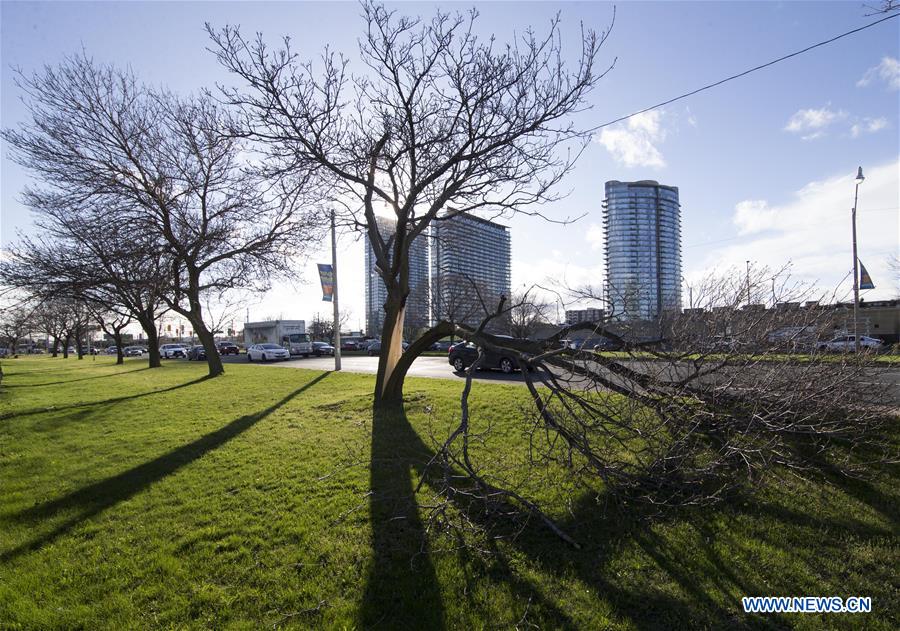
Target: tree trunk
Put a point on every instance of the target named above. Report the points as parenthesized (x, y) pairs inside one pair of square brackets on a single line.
[(78, 349), (120, 356), (388, 391), (213, 359), (149, 325), (394, 386), (195, 317), (66, 342), (55, 346)]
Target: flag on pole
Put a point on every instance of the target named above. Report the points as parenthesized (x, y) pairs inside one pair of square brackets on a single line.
[(326, 275), (865, 281)]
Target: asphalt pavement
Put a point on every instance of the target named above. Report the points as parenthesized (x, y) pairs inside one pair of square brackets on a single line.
[(439, 368), (431, 367)]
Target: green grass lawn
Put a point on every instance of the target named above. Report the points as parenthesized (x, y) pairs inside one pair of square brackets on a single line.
[(137, 498)]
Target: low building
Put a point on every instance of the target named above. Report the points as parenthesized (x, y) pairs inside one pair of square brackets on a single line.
[(577, 316)]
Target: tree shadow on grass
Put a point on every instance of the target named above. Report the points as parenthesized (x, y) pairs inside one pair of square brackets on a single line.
[(403, 589), (91, 500), (72, 406), (56, 383)]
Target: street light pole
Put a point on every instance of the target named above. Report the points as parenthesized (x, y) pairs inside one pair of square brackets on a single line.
[(748, 284), (334, 297), (859, 180)]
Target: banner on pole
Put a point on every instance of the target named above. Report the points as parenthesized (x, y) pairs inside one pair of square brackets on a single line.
[(326, 275), (865, 281)]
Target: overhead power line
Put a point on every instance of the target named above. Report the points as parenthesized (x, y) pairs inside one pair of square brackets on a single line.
[(746, 72)]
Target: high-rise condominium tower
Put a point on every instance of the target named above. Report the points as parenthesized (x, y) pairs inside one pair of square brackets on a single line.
[(643, 249), (376, 292), (470, 268)]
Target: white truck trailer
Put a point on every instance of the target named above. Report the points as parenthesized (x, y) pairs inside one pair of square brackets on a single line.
[(291, 334)]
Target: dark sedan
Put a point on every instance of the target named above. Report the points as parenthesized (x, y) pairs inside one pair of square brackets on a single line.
[(375, 347), (463, 355), (228, 348), (321, 348), (196, 352)]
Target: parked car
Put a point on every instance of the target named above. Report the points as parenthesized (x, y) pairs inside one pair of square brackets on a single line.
[(350, 345), (132, 351), (321, 348), (228, 348), (462, 356), (196, 352), (607, 344), (845, 343), (112, 350), (374, 347), (265, 352), (442, 346), (171, 351)]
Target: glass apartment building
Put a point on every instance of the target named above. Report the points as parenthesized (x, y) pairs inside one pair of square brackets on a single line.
[(642, 221), (469, 256), (376, 292)]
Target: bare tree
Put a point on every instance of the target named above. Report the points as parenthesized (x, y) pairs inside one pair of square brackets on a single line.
[(527, 314), (323, 328), (78, 323), (439, 123), (167, 167), (50, 318), (112, 323), (16, 321), (894, 268), (683, 416), (112, 266)]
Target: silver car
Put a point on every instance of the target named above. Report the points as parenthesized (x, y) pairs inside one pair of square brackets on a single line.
[(846, 343), (265, 352), (171, 351)]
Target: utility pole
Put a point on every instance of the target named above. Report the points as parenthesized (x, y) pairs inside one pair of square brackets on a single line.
[(748, 283), (334, 296), (859, 180)]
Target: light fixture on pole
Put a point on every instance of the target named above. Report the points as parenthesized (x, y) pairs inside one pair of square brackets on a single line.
[(859, 180)]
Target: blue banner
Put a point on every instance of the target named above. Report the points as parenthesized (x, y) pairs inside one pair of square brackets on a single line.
[(865, 281), (326, 275)]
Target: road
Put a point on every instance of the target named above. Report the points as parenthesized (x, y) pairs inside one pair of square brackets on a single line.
[(431, 367), (439, 368)]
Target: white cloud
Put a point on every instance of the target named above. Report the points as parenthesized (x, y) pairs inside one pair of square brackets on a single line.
[(868, 126), (691, 119), (753, 215), (812, 232), (888, 71), (594, 236), (634, 144), (813, 122), (557, 278)]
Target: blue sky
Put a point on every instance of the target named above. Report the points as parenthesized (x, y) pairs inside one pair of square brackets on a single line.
[(764, 164)]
